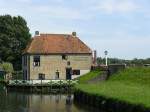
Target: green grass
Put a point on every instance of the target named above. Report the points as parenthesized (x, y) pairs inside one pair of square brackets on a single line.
[(131, 85), (88, 76)]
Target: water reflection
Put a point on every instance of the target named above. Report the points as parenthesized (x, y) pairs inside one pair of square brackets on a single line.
[(25, 102)]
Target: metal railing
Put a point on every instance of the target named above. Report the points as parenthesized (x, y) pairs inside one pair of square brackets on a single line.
[(43, 82)]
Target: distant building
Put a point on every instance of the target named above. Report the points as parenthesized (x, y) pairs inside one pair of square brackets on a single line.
[(56, 56)]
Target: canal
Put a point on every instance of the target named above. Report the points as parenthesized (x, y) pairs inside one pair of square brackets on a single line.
[(31, 102)]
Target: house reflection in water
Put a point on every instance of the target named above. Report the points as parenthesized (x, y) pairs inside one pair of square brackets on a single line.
[(26, 102), (47, 103)]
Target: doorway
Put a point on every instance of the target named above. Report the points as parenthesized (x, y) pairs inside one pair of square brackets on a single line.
[(68, 73), (57, 75)]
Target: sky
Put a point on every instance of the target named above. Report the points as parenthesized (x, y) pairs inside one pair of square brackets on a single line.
[(122, 27)]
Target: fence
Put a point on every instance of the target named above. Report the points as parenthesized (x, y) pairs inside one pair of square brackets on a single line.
[(42, 82)]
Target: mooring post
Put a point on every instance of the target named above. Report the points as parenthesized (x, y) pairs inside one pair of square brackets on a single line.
[(60, 85), (51, 85), (69, 85), (41, 86)]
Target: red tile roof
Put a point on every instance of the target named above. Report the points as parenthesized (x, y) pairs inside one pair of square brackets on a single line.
[(56, 43)]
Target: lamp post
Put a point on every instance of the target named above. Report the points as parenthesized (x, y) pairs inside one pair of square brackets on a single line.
[(106, 53)]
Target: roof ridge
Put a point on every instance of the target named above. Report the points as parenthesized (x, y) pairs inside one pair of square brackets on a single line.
[(54, 34)]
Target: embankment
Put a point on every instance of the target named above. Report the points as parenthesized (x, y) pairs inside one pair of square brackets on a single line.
[(126, 91)]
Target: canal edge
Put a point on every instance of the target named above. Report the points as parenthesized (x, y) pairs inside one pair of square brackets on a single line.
[(107, 104)]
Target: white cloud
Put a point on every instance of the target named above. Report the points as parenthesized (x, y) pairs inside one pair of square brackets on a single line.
[(117, 6)]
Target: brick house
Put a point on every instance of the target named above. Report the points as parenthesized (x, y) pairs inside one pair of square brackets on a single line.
[(56, 56)]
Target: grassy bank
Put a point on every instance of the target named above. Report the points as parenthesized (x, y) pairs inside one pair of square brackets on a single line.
[(83, 79), (131, 85)]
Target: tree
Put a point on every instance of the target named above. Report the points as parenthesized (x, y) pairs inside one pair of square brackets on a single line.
[(14, 36), (135, 61)]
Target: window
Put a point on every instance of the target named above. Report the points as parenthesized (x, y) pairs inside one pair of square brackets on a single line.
[(36, 61), (64, 57), (41, 76), (76, 72)]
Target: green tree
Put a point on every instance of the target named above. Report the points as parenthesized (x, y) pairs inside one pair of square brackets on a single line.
[(14, 36), (134, 61)]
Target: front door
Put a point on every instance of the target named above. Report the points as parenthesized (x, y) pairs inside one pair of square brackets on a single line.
[(57, 75), (68, 73)]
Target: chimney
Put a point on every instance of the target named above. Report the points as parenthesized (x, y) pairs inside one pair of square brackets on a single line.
[(37, 33), (74, 34), (95, 57)]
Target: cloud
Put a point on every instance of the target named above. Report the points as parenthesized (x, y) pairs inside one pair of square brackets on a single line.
[(47, 9), (117, 6), (23, 1), (61, 12), (119, 26), (125, 48)]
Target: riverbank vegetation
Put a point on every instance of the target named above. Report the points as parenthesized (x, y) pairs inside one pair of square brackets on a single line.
[(131, 85)]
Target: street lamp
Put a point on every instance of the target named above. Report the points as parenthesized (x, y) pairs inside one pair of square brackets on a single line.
[(106, 53)]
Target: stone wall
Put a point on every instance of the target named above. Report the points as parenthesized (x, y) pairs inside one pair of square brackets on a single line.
[(114, 68), (49, 64)]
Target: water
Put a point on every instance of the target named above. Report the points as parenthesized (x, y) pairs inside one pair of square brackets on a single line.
[(30, 102)]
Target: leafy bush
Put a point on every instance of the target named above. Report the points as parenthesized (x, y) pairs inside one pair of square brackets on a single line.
[(17, 75), (7, 67)]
